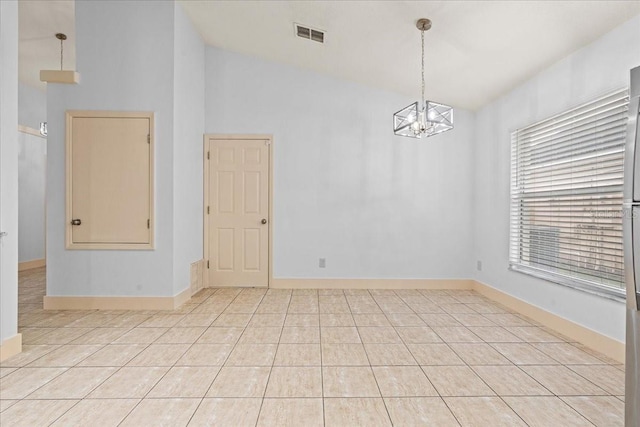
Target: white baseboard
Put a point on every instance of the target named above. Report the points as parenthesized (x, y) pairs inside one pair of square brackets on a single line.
[(10, 347), (34, 263), (116, 303), (590, 338), (371, 283), (606, 345)]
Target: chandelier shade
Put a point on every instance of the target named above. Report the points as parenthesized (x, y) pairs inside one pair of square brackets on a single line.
[(415, 122), (426, 118)]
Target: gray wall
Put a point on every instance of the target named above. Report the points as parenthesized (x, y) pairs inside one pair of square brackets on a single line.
[(346, 189), (32, 166), (135, 56), (8, 169), (32, 158), (124, 56), (596, 69), (187, 153), (32, 106)]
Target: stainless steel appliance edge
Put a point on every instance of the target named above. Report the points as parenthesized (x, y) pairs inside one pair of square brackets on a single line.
[(631, 237)]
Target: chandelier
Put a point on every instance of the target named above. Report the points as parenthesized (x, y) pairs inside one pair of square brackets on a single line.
[(427, 118)]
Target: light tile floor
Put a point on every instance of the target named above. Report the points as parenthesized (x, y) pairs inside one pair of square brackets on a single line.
[(303, 357)]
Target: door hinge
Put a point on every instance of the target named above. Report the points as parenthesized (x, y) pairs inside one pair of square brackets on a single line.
[(148, 138), (207, 263), (208, 155), (149, 223), (208, 210)]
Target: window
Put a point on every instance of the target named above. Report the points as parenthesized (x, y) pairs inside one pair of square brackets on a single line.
[(566, 197)]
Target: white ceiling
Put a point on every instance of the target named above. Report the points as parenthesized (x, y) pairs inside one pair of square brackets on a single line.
[(38, 49), (475, 52)]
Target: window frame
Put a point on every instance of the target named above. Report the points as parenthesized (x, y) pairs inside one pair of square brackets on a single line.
[(514, 236)]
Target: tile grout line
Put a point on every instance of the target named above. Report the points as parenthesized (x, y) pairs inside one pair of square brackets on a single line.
[(324, 415), (200, 336), (244, 329), (151, 388), (501, 397), (178, 359), (489, 386), (407, 347), (501, 326), (158, 381), (438, 391), (223, 362), (76, 365), (386, 408)]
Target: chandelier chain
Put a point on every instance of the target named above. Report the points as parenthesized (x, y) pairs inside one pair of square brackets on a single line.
[(422, 34), (61, 53)]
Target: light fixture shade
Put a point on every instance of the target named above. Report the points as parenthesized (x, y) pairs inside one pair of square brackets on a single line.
[(404, 119), (414, 122), (439, 118)]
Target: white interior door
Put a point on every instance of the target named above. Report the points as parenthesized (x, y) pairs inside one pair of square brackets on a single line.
[(238, 212)]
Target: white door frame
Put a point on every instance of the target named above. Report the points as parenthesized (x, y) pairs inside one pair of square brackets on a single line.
[(205, 159)]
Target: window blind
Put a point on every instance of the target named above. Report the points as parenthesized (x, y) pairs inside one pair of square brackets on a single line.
[(566, 196)]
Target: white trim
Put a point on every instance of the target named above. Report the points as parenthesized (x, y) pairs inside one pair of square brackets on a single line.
[(608, 346), (72, 114), (30, 131), (303, 283), (34, 263), (116, 303), (10, 347), (60, 76)]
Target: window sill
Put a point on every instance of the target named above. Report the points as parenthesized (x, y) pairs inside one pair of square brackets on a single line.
[(618, 295)]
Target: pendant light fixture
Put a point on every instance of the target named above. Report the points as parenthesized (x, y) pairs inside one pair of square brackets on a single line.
[(62, 37), (62, 75), (423, 118)]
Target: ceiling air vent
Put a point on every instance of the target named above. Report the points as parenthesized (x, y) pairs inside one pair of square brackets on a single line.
[(309, 33)]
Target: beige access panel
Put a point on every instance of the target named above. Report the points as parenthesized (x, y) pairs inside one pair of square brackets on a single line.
[(109, 180), (237, 205)]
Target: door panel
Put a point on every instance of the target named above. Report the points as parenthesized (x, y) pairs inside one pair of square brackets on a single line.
[(238, 197), (226, 191), (110, 180), (225, 249), (251, 192), (251, 244)]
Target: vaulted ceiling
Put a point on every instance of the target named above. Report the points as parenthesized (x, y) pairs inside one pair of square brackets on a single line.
[(475, 51)]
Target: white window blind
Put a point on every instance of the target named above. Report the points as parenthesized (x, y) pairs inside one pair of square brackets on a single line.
[(566, 196)]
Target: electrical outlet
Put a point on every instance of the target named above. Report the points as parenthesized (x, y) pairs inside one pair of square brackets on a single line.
[(479, 265), (322, 262)]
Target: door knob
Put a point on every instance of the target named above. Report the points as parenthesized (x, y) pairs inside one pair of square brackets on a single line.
[(264, 221), (76, 222)]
